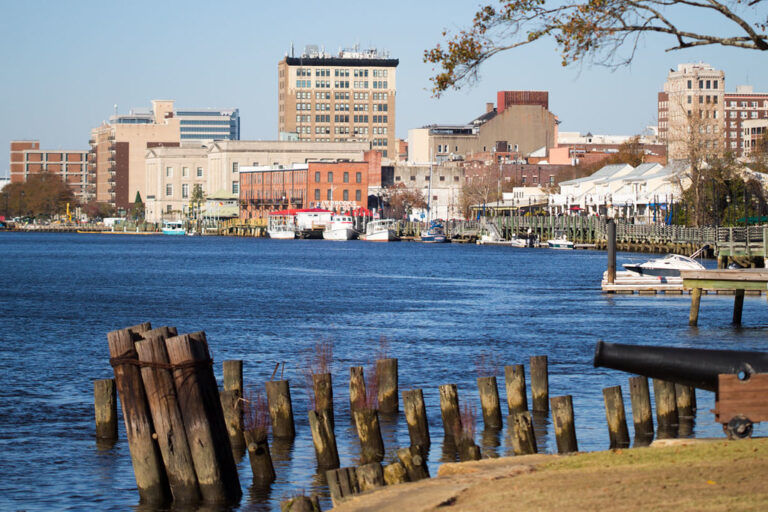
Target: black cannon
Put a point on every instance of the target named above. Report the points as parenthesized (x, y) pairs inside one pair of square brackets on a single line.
[(739, 379)]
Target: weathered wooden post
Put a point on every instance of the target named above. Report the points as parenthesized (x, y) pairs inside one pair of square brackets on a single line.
[(203, 418), (166, 414), (449, 409), (259, 456), (105, 406), (514, 378), (357, 396), (232, 400), (738, 306), (565, 430), (369, 432), (370, 476), (233, 374), (342, 483), (666, 408), (642, 414), (322, 386), (151, 479), (611, 251), (280, 408), (693, 316), (616, 418), (300, 504), (523, 438), (489, 402), (468, 450), (324, 439), (386, 374), (539, 383), (416, 417), (413, 460), (395, 474), (684, 399)]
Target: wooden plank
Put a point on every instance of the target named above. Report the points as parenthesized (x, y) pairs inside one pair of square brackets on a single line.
[(737, 397), (714, 284)]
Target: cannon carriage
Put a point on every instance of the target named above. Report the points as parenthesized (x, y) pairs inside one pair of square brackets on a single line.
[(738, 378)]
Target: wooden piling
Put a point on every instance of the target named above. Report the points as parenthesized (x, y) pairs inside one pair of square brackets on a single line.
[(395, 474), (693, 315), (280, 408), (416, 417), (666, 408), (322, 386), (370, 476), (738, 306), (357, 396), (233, 374), (449, 409), (414, 462), (166, 415), (565, 429), (468, 450), (514, 378), (105, 406), (523, 438), (323, 439), (386, 375), (300, 504), (539, 383), (369, 433), (616, 417), (203, 418), (684, 400), (489, 402), (263, 470), (342, 483), (642, 415), (611, 251), (232, 406), (148, 468)]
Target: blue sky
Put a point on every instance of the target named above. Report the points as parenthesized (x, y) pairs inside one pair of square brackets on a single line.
[(66, 63)]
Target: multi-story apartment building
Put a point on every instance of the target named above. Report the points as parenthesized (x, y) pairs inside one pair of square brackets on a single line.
[(742, 106), (694, 102), (118, 148), (691, 109), (347, 97), (26, 158)]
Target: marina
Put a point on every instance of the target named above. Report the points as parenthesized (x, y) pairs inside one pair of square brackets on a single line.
[(457, 306)]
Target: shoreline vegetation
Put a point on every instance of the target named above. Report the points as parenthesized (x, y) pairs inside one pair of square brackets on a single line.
[(679, 474)]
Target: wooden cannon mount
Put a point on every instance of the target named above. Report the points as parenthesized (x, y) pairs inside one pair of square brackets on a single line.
[(740, 401)]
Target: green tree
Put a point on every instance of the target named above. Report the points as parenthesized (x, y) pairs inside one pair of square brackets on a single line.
[(137, 211), (42, 195), (605, 31)]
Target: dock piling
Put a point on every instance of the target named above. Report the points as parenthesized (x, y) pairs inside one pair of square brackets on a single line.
[(642, 415), (280, 408), (416, 417), (514, 378), (386, 375), (523, 437), (539, 383), (489, 402), (666, 408), (105, 406), (616, 418), (565, 430), (449, 410)]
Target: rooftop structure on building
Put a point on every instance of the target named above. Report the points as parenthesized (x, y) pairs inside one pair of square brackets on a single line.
[(196, 124)]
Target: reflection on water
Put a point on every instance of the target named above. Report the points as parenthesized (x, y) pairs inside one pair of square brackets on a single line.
[(490, 440), (541, 425), (449, 451)]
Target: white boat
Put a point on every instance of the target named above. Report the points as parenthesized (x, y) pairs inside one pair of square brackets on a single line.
[(668, 266), (281, 227), (560, 242), (173, 227), (341, 227), (493, 240), (380, 231)]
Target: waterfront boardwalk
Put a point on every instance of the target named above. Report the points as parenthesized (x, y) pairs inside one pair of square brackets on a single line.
[(737, 282)]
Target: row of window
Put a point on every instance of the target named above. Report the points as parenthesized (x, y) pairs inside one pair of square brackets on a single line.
[(744, 115), (379, 142), (345, 177), (185, 172), (345, 195), (340, 84), (710, 99), (704, 84), (184, 189), (745, 104), (426, 178)]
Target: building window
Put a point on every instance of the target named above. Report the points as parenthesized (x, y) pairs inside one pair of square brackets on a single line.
[(330, 177), (317, 194), (199, 172), (328, 195), (358, 195), (169, 172), (413, 178), (235, 187), (168, 208), (234, 167), (358, 177), (317, 179), (714, 84), (689, 99), (689, 84), (185, 172), (169, 189), (345, 195), (184, 190), (346, 177)]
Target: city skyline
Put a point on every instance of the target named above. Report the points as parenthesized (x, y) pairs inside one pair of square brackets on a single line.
[(68, 65)]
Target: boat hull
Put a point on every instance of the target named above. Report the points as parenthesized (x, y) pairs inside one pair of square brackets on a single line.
[(281, 235), (560, 245), (172, 231), (655, 272), (433, 239), (339, 234), (380, 236)]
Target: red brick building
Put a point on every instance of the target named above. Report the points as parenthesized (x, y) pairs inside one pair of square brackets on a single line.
[(71, 166)]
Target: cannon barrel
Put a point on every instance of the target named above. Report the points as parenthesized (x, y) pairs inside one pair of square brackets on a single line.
[(686, 366)]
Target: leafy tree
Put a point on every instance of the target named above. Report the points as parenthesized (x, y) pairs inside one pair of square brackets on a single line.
[(605, 31), (42, 195), (403, 200), (137, 211), (95, 209)]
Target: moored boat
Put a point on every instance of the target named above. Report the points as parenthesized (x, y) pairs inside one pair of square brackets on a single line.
[(281, 227), (380, 231), (173, 227), (434, 234), (560, 242), (340, 228), (668, 266)]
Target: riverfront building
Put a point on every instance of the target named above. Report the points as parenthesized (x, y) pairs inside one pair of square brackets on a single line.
[(349, 96), (26, 158)]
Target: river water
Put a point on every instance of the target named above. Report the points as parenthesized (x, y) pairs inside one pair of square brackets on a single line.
[(441, 308)]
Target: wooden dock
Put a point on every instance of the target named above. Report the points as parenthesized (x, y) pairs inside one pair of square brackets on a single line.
[(736, 282)]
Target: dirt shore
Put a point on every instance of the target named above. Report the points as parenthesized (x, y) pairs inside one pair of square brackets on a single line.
[(679, 475)]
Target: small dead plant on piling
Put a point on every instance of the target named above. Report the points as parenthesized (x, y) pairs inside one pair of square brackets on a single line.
[(468, 419), (487, 365), (256, 412), (317, 361), (370, 400), (383, 350)]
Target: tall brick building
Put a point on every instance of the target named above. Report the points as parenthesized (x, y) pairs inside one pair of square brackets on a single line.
[(26, 158)]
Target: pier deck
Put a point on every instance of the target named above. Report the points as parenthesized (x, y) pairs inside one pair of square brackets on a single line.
[(737, 282)]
